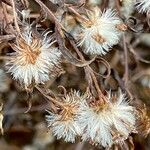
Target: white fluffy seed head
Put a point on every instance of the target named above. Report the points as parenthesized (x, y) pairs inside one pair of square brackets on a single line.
[(101, 32), (34, 58), (143, 5), (64, 124), (107, 124)]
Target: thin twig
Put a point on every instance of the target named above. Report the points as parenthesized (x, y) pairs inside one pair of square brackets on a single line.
[(126, 74), (47, 10), (59, 27), (15, 16), (72, 10), (49, 97), (137, 57), (100, 94)]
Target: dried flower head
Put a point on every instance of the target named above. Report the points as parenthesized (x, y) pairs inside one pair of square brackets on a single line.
[(34, 58), (143, 5), (143, 121), (64, 124), (101, 32), (107, 123)]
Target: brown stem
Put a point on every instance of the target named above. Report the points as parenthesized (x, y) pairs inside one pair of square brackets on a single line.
[(72, 10), (49, 97), (46, 9), (15, 16), (117, 6), (100, 94), (126, 74)]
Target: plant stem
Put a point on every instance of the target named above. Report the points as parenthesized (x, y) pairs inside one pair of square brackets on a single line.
[(49, 97), (15, 16)]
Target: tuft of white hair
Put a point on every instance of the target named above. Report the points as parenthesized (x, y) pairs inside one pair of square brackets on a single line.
[(116, 120), (103, 24), (64, 125)]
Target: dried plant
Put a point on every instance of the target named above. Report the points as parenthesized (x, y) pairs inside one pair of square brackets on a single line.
[(87, 59)]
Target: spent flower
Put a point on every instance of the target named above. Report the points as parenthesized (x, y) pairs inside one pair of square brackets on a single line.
[(107, 123), (101, 32), (64, 124), (143, 5), (34, 58)]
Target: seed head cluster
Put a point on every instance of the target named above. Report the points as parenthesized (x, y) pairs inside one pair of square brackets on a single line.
[(102, 124)]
